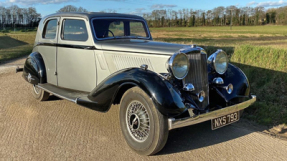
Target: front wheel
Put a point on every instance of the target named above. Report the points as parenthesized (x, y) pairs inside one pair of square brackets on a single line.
[(39, 94), (143, 126)]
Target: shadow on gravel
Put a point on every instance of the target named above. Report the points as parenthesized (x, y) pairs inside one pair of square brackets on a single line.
[(54, 98), (283, 131), (199, 136)]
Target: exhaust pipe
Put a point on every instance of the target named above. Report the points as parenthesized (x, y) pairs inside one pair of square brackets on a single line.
[(19, 69)]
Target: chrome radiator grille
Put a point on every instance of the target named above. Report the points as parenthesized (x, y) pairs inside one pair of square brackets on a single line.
[(198, 76)]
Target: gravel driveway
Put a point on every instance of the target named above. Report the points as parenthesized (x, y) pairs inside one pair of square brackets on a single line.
[(61, 130)]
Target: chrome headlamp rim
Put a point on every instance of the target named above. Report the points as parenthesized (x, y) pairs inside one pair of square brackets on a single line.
[(170, 65), (212, 58), (202, 51)]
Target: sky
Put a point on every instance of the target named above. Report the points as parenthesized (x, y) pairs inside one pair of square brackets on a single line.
[(46, 7)]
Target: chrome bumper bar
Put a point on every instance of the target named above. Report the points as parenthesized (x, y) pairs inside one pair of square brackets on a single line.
[(178, 123)]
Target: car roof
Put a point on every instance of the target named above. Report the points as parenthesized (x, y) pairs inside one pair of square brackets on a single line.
[(90, 15)]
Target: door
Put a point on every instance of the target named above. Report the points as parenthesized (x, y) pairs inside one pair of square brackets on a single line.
[(48, 40), (76, 66)]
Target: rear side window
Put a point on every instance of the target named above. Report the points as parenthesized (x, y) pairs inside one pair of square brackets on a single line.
[(50, 29), (74, 30)]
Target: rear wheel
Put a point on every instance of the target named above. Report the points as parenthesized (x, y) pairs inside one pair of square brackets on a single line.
[(143, 126), (39, 94)]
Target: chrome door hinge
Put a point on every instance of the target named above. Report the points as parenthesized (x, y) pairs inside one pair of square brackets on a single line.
[(56, 73)]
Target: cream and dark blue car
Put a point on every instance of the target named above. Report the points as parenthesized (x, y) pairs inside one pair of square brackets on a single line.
[(100, 59)]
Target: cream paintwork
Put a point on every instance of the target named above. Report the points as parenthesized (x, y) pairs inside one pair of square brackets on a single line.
[(76, 68), (48, 52), (83, 70), (157, 62)]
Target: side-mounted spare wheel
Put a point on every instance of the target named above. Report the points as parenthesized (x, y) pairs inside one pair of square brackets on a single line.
[(39, 94), (143, 126)]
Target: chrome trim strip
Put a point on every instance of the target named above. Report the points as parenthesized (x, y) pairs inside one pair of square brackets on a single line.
[(178, 123), (63, 97)]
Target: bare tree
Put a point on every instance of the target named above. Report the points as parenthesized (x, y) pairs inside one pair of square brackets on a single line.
[(71, 8), (2, 13), (31, 15), (218, 16), (13, 12), (209, 17), (108, 11), (81, 9)]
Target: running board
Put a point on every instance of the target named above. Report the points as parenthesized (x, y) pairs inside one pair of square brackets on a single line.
[(77, 97)]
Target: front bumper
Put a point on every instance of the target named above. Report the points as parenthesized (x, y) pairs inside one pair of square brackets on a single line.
[(178, 123)]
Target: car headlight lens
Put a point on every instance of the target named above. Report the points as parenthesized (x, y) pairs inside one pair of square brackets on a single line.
[(178, 65), (219, 61)]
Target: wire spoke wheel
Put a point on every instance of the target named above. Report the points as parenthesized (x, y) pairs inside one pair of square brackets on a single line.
[(36, 89), (137, 120), (143, 126), (39, 93)]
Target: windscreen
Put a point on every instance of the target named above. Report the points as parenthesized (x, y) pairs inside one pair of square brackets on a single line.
[(120, 28)]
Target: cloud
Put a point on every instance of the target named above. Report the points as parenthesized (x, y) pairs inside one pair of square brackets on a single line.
[(34, 2), (251, 3), (267, 4), (272, 4), (138, 11), (161, 6)]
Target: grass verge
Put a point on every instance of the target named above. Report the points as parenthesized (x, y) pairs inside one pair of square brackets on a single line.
[(266, 68), (14, 45), (260, 51)]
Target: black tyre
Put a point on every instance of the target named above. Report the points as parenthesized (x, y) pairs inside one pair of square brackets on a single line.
[(241, 112), (143, 126), (39, 94)]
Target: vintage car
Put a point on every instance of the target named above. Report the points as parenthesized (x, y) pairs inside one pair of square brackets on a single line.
[(99, 59)]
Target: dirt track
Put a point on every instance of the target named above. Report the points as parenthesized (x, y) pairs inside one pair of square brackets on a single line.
[(60, 130)]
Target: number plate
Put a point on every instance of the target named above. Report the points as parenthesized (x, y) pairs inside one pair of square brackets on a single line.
[(224, 120)]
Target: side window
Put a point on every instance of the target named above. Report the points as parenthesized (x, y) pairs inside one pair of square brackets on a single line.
[(74, 30), (50, 29), (137, 29), (117, 27)]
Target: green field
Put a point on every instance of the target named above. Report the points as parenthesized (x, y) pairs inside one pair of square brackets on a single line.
[(275, 36), (260, 51), (15, 44)]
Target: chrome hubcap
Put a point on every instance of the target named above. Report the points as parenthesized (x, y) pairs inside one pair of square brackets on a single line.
[(137, 120)]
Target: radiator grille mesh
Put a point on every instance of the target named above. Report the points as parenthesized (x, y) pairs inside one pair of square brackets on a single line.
[(198, 76)]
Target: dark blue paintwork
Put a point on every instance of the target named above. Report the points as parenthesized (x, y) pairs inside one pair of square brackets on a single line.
[(241, 87), (164, 95)]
